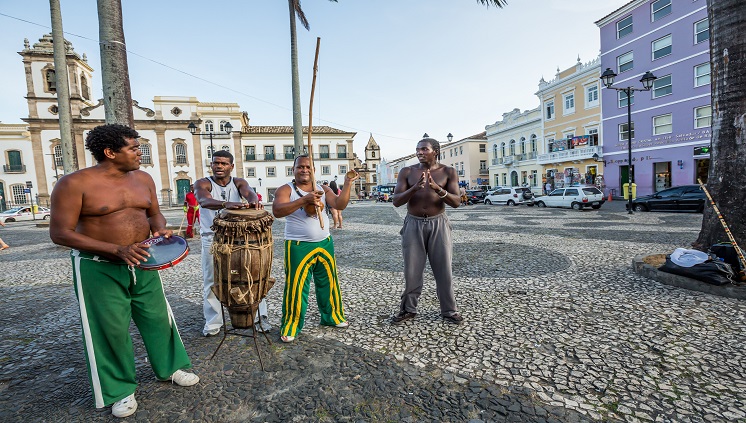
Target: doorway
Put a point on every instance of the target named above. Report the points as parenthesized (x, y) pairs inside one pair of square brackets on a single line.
[(514, 178), (624, 175), (182, 187), (701, 169)]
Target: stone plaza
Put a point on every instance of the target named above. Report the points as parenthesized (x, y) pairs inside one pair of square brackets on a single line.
[(557, 328)]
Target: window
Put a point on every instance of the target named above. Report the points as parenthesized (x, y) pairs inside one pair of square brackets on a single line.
[(210, 151), (625, 62), (288, 152), (569, 100), (483, 165), (145, 158), (250, 152), (326, 170), (550, 145), (660, 9), (288, 171), (502, 149), (342, 169), (85, 92), (512, 147), (505, 179), (624, 27), (533, 143), (180, 151), (593, 132), (662, 124), (15, 163), (250, 172), (702, 117), (58, 155), (269, 152), (341, 151), (222, 125), (461, 150), (661, 47), (494, 150), (324, 151), (622, 96), (209, 126), (450, 152), (226, 148), (534, 178), (662, 86), (19, 196), (701, 31), (271, 171), (624, 133), (482, 148), (702, 74), (591, 96), (549, 109), (373, 154), (523, 145)]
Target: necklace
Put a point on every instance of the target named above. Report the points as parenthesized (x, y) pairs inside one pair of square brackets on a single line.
[(295, 187)]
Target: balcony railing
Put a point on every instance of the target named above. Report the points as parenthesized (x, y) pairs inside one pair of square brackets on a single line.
[(572, 154), (14, 168), (484, 171), (324, 155), (508, 160), (341, 155), (461, 173), (289, 156), (269, 157), (249, 157)]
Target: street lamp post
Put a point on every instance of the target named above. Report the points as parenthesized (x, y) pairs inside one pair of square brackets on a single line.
[(228, 129), (647, 83)]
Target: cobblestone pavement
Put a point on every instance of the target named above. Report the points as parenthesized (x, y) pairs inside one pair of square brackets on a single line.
[(558, 328)]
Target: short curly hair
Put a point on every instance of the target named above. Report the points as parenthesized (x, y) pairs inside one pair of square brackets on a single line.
[(111, 136), (433, 143)]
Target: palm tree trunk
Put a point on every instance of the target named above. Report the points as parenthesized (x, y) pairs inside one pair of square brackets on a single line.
[(727, 178), (69, 156), (114, 70), (297, 117)]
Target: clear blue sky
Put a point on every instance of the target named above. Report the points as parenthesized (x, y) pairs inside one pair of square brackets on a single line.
[(393, 68)]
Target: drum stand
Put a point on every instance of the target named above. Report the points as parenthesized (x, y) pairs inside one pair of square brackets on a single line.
[(237, 332)]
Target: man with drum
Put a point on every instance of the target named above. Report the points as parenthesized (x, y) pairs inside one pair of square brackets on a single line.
[(221, 191), (426, 188), (309, 249), (103, 213)]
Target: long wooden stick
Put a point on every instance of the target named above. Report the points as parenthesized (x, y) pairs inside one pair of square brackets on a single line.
[(739, 252), (310, 128)]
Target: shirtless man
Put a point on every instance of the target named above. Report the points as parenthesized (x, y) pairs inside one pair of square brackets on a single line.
[(426, 188), (103, 213)]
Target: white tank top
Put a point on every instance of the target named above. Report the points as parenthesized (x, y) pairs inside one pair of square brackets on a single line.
[(299, 226), (227, 193)]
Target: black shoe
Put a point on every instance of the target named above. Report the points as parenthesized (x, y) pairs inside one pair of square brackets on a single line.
[(402, 317), (455, 318)]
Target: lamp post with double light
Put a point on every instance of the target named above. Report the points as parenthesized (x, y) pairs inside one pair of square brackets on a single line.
[(228, 128), (647, 83)]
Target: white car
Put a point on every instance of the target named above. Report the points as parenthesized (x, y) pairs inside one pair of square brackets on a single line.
[(511, 196), (23, 213), (577, 198)]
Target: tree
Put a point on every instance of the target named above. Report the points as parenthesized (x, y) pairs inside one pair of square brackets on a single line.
[(295, 10), (726, 180)]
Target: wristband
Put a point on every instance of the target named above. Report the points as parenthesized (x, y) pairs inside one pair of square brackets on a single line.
[(444, 195)]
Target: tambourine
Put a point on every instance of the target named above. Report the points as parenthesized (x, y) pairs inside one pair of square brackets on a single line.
[(164, 252)]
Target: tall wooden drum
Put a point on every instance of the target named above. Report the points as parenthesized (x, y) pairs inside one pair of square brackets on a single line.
[(242, 256)]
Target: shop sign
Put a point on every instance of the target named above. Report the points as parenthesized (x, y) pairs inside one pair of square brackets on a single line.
[(702, 151), (634, 159), (581, 140)]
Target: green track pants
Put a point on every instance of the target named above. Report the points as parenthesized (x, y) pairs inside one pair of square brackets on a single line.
[(302, 261), (110, 295)]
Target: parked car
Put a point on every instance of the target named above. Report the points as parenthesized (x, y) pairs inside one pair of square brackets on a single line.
[(682, 198), (474, 196), (511, 196), (23, 213), (578, 198)]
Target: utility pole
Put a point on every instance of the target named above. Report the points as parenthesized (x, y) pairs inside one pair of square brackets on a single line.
[(69, 158), (114, 70)]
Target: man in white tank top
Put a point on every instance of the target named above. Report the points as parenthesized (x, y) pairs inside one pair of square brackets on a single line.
[(220, 191), (309, 250)]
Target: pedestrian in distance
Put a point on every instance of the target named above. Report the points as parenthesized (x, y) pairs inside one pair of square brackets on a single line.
[(3, 245), (221, 191), (104, 213), (426, 188), (309, 249), (336, 214), (191, 208)]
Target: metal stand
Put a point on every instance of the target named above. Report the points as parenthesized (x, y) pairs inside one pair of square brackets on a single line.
[(237, 332)]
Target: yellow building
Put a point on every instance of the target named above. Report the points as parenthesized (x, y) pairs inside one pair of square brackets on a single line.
[(571, 120)]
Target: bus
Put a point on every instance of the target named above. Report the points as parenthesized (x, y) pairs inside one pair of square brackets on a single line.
[(386, 189)]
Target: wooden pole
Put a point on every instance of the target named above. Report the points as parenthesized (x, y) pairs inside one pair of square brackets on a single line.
[(310, 128)]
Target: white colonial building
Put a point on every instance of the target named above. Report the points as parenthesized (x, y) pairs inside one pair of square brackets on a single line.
[(514, 144)]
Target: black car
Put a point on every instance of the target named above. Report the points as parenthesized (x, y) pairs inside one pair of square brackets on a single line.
[(474, 196), (682, 198)]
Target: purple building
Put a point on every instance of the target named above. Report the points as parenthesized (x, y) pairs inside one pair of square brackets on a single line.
[(671, 122)]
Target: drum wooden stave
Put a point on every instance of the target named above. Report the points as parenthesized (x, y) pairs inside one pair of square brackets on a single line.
[(242, 256)]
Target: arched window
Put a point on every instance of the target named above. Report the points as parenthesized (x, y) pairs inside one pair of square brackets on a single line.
[(51, 80), (226, 148), (494, 150), (523, 145), (512, 147), (210, 151), (502, 149), (85, 92), (58, 155), (180, 150), (146, 157), (222, 125), (208, 126), (533, 143)]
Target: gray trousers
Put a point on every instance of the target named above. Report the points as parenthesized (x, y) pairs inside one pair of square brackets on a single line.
[(421, 238)]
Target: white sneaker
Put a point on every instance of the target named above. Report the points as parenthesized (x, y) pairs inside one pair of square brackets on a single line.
[(263, 326), (183, 378), (211, 332), (342, 325), (124, 407)]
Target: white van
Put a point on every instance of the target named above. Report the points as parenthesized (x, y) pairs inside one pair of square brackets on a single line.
[(577, 198), (511, 196)]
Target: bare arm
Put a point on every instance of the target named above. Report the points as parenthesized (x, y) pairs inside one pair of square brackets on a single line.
[(247, 192), (403, 192), (282, 206), (451, 190), (155, 217), (340, 201)]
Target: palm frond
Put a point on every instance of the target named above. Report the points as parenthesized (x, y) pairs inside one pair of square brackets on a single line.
[(497, 3), (301, 16)]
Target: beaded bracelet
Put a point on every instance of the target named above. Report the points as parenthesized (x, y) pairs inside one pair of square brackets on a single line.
[(445, 193)]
